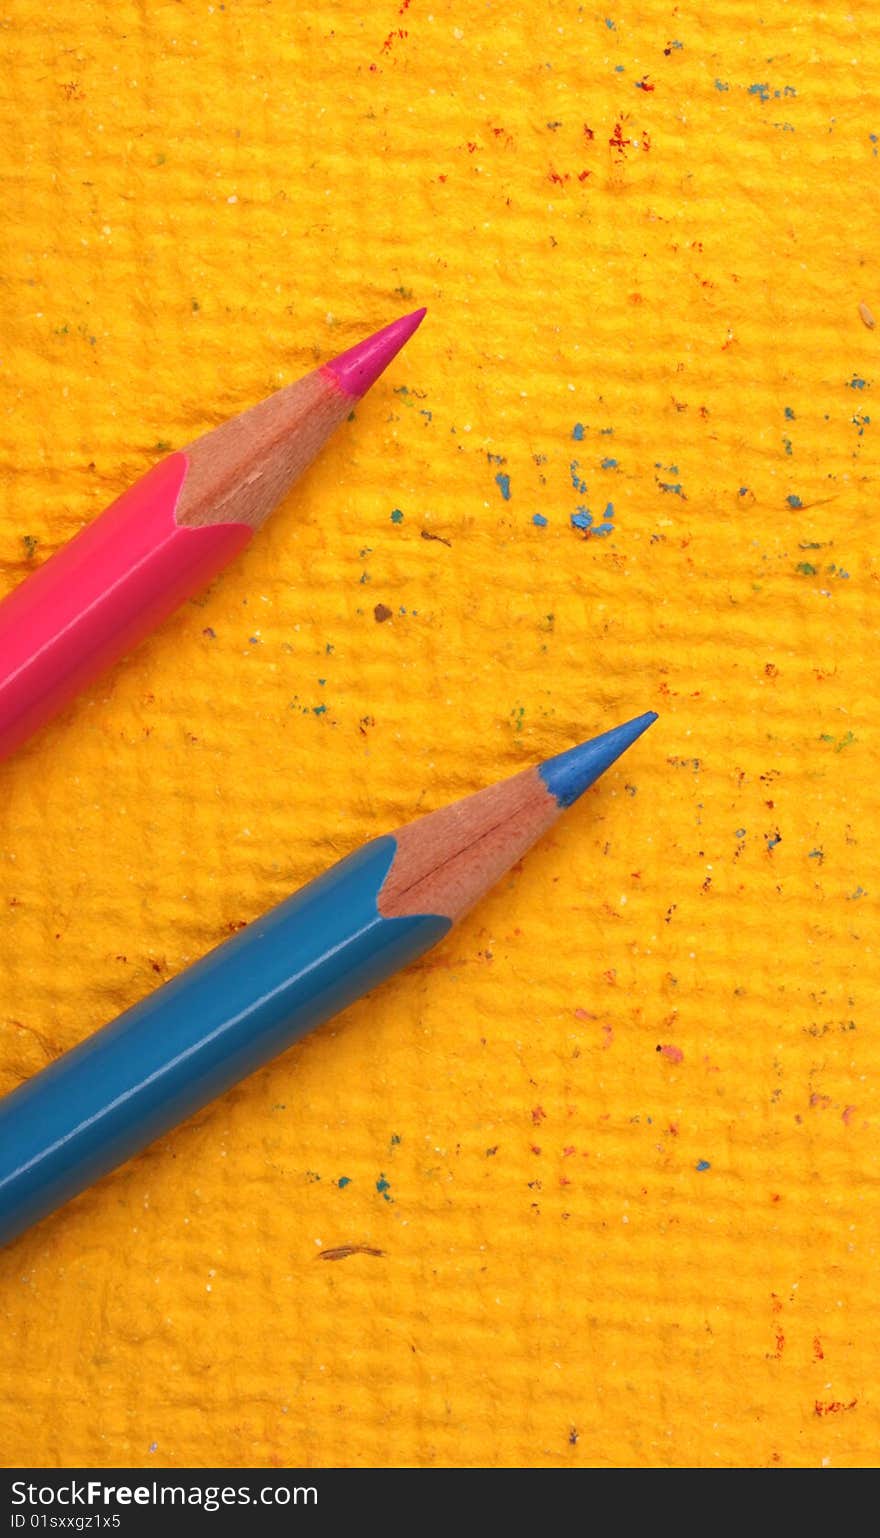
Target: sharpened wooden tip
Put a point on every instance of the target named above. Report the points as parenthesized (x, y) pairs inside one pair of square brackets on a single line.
[(241, 470), (447, 860)]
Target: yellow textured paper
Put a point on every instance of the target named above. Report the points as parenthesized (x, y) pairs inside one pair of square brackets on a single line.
[(617, 1139)]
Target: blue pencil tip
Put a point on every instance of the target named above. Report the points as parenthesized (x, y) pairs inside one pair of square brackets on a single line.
[(569, 774)]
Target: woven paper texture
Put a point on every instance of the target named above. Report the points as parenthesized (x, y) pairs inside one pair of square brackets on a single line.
[(611, 1151)]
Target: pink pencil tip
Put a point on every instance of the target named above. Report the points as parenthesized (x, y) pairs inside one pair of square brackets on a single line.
[(359, 368)]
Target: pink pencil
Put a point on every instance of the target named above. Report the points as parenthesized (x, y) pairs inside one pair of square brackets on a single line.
[(167, 537)]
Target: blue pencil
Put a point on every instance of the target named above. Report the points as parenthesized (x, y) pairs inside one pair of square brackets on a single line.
[(289, 971)]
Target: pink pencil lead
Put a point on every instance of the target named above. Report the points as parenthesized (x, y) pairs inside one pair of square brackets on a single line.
[(359, 368)]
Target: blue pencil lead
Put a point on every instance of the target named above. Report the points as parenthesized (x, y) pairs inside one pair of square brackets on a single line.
[(569, 774)]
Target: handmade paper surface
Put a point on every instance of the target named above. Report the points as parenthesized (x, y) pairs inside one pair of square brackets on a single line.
[(596, 1183)]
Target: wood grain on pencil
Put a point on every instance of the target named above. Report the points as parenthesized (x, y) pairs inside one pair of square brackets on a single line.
[(448, 859), (239, 471)]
